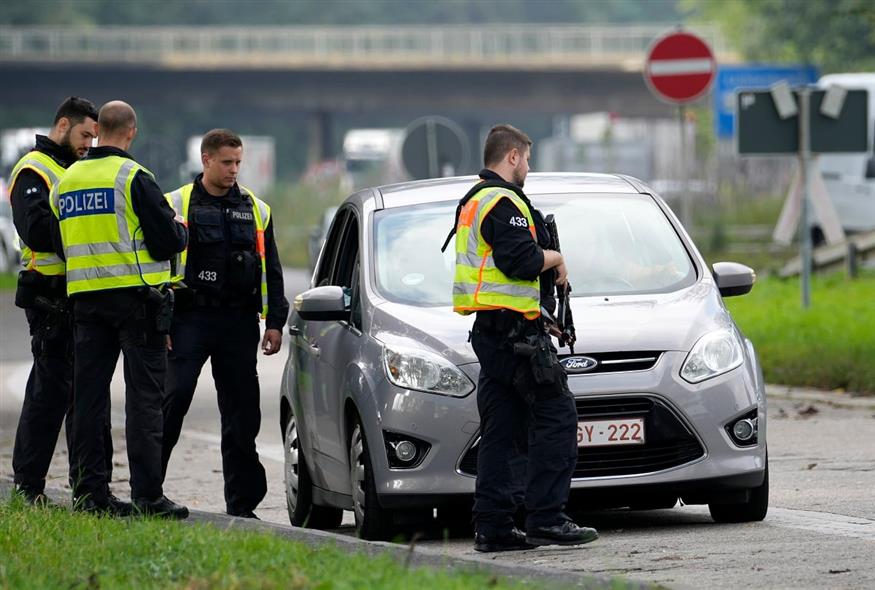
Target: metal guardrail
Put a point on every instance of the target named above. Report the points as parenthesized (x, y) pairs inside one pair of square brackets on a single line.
[(561, 47), (858, 249)]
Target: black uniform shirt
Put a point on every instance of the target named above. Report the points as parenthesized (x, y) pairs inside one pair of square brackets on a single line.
[(31, 213), (506, 229), (277, 304)]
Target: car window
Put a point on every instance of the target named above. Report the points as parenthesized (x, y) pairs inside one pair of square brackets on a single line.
[(347, 255), (613, 244), (355, 298), (330, 249), (346, 270)]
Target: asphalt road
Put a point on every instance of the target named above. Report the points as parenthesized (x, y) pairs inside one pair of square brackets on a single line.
[(820, 531)]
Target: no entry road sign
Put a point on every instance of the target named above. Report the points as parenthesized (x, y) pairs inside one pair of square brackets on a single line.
[(679, 68)]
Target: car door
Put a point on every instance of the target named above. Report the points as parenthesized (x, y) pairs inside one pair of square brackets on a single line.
[(339, 344), (307, 339)]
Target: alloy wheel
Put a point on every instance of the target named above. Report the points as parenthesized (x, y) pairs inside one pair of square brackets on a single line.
[(292, 463), (357, 473)]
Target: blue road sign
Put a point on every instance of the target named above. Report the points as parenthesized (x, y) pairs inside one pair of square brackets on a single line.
[(731, 78)]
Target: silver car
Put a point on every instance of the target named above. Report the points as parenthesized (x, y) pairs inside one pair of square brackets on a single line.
[(378, 403)]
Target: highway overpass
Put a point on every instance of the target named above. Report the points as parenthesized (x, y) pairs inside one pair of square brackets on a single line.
[(312, 83)]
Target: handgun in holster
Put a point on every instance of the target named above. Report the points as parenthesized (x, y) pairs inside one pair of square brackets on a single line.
[(536, 348), (163, 303)]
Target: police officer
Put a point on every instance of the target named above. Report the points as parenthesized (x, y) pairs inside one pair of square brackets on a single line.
[(505, 272), (48, 395), (229, 273), (118, 235)]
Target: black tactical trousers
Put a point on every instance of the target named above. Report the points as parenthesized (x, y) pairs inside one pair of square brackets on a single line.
[(544, 429), (48, 397), (107, 323), (229, 337)]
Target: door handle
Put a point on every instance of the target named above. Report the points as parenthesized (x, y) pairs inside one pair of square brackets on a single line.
[(294, 330)]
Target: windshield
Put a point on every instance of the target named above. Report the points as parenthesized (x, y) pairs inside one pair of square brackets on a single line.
[(613, 245)]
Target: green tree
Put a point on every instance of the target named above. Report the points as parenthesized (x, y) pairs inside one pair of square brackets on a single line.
[(836, 35)]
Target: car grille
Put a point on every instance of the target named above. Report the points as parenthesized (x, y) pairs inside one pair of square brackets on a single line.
[(616, 362), (669, 442)]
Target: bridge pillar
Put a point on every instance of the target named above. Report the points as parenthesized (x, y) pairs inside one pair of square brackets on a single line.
[(320, 145)]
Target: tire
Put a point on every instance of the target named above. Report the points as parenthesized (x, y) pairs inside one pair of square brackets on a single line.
[(753, 510), (299, 487), (372, 522)]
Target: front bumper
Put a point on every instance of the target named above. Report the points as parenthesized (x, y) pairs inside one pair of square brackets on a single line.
[(691, 453)]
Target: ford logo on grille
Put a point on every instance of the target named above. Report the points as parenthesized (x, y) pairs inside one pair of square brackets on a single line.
[(579, 364)]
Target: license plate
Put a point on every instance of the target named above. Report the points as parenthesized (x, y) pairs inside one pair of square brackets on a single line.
[(599, 433)]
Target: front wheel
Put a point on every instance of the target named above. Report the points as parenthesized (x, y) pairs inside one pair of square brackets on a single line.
[(299, 487), (753, 510), (372, 522)]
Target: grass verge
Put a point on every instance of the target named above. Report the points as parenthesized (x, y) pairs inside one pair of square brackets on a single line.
[(829, 346), (53, 548), (8, 281), (297, 209)]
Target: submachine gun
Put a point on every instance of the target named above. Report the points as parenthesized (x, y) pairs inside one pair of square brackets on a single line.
[(563, 320)]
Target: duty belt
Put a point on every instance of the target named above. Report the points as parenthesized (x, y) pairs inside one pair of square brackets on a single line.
[(209, 300)]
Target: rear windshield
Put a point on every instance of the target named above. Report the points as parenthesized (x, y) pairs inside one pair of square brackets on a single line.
[(613, 245)]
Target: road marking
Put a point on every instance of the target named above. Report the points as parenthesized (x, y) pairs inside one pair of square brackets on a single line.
[(273, 452), (823, 522)]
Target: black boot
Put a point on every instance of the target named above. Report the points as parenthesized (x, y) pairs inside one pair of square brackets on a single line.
[(566, 533), (108, 505), (162, 507), (512, 540), (244, 514)]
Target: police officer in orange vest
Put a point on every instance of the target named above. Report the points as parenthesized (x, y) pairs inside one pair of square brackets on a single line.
[(505, 272)]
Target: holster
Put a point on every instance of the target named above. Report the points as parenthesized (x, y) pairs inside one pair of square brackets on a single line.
[(36, 289), (159, 304), (542, 376)]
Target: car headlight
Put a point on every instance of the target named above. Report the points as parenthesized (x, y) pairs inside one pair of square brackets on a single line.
[(714, 354), (425, 371)]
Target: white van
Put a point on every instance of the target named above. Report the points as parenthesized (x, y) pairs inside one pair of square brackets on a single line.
[(850, 178)]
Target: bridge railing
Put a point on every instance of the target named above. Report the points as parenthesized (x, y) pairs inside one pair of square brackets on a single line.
[(425, 47)]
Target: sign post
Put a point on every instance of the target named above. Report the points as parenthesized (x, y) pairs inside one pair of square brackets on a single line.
[(827, 121), (679, 69), (805, 173)]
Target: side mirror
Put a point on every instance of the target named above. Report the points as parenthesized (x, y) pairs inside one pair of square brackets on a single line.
[(733, 278), (322, 304)]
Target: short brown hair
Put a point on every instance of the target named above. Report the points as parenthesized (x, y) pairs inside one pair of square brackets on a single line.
[(216, 139), (115, 117), (502, 139)]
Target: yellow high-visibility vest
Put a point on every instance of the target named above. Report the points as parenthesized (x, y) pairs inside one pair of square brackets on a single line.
[(47, 263), (103, 240), (180, 199), (479, 285)]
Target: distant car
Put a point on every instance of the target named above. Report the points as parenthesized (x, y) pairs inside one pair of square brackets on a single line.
[(378, 404)]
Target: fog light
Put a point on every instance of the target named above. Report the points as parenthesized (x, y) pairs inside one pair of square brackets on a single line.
[(744, 429), (405, 451)]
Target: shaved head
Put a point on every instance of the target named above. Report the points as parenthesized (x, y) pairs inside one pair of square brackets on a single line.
[(115, 118)]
